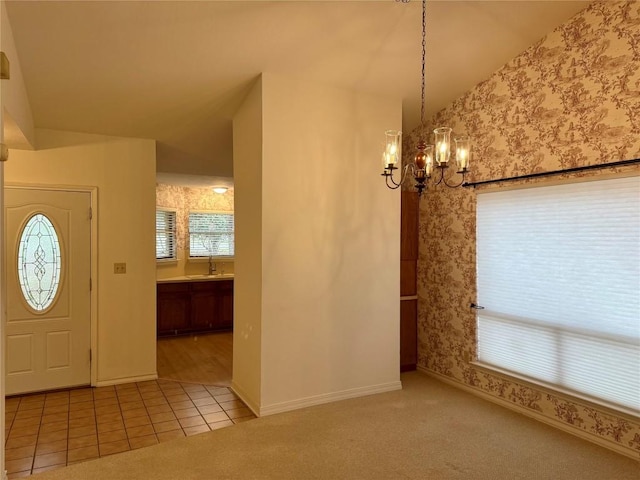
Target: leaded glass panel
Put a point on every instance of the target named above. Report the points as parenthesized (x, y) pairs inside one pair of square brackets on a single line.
[(39, 262)]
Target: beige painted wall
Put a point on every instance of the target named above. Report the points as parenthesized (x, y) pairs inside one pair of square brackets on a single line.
[(123, 170), (247, 321), (330, 245), (184, 199)]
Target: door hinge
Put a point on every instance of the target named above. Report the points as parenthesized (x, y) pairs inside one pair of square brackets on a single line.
[(90, 284), (90, 213)]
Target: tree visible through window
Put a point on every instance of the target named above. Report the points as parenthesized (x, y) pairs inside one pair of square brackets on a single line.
[(211, 234)]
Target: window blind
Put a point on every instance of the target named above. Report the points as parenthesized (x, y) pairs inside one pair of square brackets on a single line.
[(211, 234), (558, 272), (165, 235)]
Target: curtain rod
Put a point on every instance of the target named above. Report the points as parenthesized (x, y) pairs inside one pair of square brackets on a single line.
[(555, 172)]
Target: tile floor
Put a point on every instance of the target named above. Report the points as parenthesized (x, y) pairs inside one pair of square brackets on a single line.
[(51, 430)]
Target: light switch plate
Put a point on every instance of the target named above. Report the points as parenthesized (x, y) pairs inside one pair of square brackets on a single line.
[(119, 268)]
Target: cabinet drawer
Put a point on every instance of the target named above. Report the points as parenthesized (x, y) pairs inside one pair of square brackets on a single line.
[(173, 287)]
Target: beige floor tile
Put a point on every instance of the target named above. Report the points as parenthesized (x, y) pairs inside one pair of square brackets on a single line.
[(51, 447), (208, 400), (81, 398), (57, 458), (18, 442), (170, 435), (239, 412), (152, 394), (146, 441), (22, 414), (193, 387), (129, 406), (18, 431), (192, 421), (46, 469), (159, 408), (108, 418), (134, 412), (84, 453), (113, 447), (210, 408), (28, 421), (162, 417), (140, 431), (87, 404), (218, 390), (243, 419), (182, 405), (199, 394), (110, 427), (112, 436), (54, 427), (81, 442), (55, 417), (12, 466), (26, 473), (82, 431), (225, 398), (152, 402), (88, 412), (215, 417), (82, 421), (101, 410), (187, 412), (196, 430), (103, 402), (222, 424), (49, 410), (137, 421), (181, 397), (20, 452), (166, 426)]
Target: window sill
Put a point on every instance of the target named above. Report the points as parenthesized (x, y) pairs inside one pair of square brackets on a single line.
[(610, 408), (166, 261)]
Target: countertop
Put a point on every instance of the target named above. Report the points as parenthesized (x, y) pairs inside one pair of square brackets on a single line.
[(197, 278)]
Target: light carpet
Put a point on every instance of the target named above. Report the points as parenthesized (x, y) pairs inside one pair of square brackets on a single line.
[(427, 430)]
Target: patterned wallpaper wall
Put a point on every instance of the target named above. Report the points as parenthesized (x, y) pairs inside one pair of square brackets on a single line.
[(571, 99), (184, 199)]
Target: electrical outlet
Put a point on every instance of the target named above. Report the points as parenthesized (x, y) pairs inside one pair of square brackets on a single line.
[(119, 268)]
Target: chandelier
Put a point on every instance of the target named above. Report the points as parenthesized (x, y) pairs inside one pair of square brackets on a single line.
[(429, 156)]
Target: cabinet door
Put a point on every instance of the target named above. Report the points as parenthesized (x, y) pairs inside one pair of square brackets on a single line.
[(173, 308), (225, 296), (204, 306)]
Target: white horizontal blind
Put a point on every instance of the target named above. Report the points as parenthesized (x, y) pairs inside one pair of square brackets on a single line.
[(559, 277), (211, 234), (165, 235)]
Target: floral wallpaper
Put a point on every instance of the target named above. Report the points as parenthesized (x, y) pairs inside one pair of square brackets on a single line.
[(184, 199), (571, 99)]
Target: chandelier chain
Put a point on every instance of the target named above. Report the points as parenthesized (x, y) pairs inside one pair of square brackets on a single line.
[(424, 43)]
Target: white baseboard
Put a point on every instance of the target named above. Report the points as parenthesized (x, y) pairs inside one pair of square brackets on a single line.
[(118, 381), (245, 398), (532, 414), (329, 397)]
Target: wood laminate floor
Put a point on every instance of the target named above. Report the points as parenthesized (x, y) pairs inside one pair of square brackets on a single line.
[(204, 359)]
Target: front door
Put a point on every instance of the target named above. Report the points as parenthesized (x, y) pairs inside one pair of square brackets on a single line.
[(48, 271)]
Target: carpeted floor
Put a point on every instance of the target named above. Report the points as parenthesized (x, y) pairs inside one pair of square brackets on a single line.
[(428, 430)]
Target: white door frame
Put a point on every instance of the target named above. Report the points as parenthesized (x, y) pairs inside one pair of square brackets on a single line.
[(93, 193)]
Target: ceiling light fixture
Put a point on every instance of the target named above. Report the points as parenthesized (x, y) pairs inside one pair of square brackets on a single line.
[(220, 190), (423, 161)]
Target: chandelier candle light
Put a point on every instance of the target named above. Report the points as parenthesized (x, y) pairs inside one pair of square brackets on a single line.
[(428, 157)]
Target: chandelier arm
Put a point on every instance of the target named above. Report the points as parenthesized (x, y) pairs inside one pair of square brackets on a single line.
[(389, 176), (393, 185), (435, 184), (456, 185)]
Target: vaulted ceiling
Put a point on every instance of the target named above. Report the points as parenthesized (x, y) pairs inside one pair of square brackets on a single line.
[(176, 71)]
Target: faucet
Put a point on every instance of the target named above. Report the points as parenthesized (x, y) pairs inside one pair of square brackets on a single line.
[(212, 266)]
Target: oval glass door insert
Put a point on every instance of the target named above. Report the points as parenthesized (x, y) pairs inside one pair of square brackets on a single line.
[(39, 262)]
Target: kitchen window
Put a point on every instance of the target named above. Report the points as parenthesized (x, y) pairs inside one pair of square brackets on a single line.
[(166, 235), (558, 275), (211, 234)]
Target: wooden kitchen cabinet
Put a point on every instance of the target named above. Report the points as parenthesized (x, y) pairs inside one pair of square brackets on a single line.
[(194, 307)]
